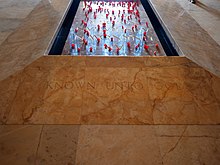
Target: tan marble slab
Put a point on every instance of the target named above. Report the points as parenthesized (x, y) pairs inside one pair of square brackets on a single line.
[(91, 90), (32, 33), (31, 38), (18, 144), (207, 14), (58, 145), (110, 144), (12, 15), (189, 144), (195, 43), (139, 145)]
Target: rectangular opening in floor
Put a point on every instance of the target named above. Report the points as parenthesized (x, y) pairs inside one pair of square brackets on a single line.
[(112, 28)]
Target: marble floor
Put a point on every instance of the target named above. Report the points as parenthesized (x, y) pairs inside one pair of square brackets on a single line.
[(117, 110), (12, 14), (110, 144), (205, 10)]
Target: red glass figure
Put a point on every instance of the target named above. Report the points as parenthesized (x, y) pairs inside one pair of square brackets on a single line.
[(137, 46), (147, 24), (85, 24), (90, 9), (117, 51), (155, 53), (90, 49), (73, 46), (106, 46), (128, 45), (145, 33), (146, 47), (112, 39), (104, 25), (157, 46), (76, 30), (78, 50), (105, 35), (113, 23), (98, 27), (109, 49), (84, 41), (98, 40), (135, 26)]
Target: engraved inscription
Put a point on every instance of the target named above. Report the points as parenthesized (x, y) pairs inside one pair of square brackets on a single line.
[(54, 85)]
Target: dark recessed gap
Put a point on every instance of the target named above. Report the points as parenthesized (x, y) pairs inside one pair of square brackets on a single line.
[(63, 33), (165, 41)]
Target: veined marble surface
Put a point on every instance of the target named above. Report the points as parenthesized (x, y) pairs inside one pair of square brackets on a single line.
[(139, 92), (27, 27), (195, 42), (205, 10), (116, 90), (31, 38), (12, 14), (109, 145)]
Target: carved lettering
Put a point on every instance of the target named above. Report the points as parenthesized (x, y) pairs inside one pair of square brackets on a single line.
[(79, 84), (69, 85), (109, 85), (93, 85), (58, 85), (138, 86), (49, 85)]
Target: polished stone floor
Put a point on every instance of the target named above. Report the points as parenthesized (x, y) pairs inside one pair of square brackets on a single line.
[(205, 10), (110, 144), (90, 110)]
